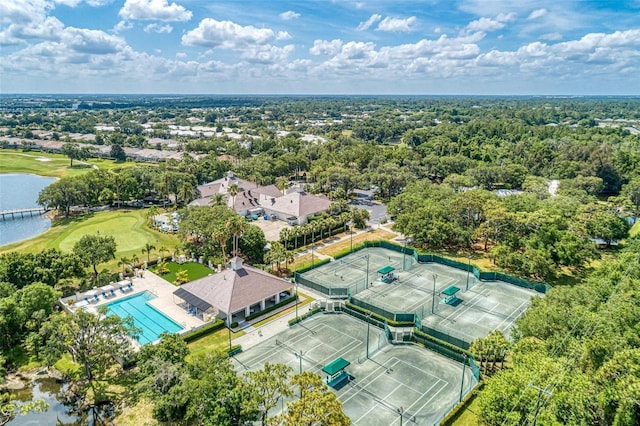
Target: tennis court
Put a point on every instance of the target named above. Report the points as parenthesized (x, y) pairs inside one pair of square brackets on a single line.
[(479, 306), (423, 384), (357, 271)]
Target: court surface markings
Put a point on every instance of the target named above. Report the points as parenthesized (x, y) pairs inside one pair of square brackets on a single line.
[(400, 384)]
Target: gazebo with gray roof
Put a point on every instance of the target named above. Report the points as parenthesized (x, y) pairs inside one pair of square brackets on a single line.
[(239, 289)]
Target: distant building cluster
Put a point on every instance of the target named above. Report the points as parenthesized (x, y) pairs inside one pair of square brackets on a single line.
[(294, 206)]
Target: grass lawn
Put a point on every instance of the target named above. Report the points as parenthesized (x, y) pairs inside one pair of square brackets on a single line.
[(194, 269), (220, 339), (128, 227), (635, 229), (345, 244), (467, 416), (212, 342), (54, 165)]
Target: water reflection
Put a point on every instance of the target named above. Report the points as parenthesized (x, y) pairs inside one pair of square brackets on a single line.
[(61, 409)]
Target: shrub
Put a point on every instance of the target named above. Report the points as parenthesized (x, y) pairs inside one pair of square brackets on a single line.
[(307, 315), (203, 331)]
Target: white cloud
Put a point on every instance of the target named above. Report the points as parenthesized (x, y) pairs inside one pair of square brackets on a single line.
[(268, 54), (325, 47), (122, 26), (551, 36), (396, 24), (283, 35), (157, 28), (489, 24), (369, 22), (289, 15), (94, 42), (48, 28), (227, 35), (181, 55), (538, 13), (156, 10)]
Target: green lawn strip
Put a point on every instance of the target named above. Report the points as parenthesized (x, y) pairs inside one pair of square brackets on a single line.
[(468, 414), (194, 269), (128, 227), (635, 229), (220, 339), (212, 342)]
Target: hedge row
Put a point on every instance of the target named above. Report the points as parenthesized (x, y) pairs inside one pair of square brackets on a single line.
[(447, 345), (307, 315), (271, 308), (235, 349), (315, 265), (203, 331), (347, 251), (380, 318)]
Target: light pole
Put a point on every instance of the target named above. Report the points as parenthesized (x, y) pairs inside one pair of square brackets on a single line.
[(464, 365), (433, 298), (366, 278), (368, 325), (351, 235), (404, 252), (296, 301), (229, 328), (468, 270), (400, 411), (299, 355)]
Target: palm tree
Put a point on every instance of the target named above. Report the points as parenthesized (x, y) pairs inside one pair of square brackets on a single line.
[(282, 183), (182, 276), (330, 224), (288, 258), (217, 200), (152, 213), (135, 260), (148, 248), (185, 192), (162, 249), (236, 225), (285, 235), (124, 262), (233, 190), (221, 236)]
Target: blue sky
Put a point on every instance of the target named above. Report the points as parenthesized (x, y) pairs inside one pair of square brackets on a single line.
[(320, 46)]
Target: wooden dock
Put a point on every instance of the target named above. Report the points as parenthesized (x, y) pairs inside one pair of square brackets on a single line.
[(20, 213)]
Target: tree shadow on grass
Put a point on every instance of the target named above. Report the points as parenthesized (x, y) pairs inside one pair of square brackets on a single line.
[(72, 220)]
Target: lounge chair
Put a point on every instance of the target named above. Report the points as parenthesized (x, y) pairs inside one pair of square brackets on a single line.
[(96, 298), (86, 299), (105, 295), (129, 286), (122, 290), (113, 293)]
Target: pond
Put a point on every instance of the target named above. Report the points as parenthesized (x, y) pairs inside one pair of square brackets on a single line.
[(60, 411), (19, 191)]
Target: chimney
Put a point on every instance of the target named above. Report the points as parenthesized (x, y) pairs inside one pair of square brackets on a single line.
[(236, 263)]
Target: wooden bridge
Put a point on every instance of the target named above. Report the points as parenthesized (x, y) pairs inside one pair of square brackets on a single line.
[(20, 213)]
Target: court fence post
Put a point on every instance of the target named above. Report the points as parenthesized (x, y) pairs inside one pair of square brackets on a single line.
[(464, 365), (433, 295)]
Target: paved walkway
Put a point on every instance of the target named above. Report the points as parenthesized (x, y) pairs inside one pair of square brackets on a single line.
[(255, 335), (152, 283)]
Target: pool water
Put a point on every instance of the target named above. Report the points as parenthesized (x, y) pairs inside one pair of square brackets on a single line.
[(148, 319)]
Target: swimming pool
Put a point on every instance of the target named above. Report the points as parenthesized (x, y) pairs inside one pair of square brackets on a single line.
[(148, 319)]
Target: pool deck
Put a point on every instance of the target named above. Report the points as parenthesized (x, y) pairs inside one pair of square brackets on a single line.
[(164, 301)]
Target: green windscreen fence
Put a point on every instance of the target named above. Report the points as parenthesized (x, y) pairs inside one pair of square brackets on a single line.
[(373, 308), (540, 287), (329, 291), (445, 337)]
